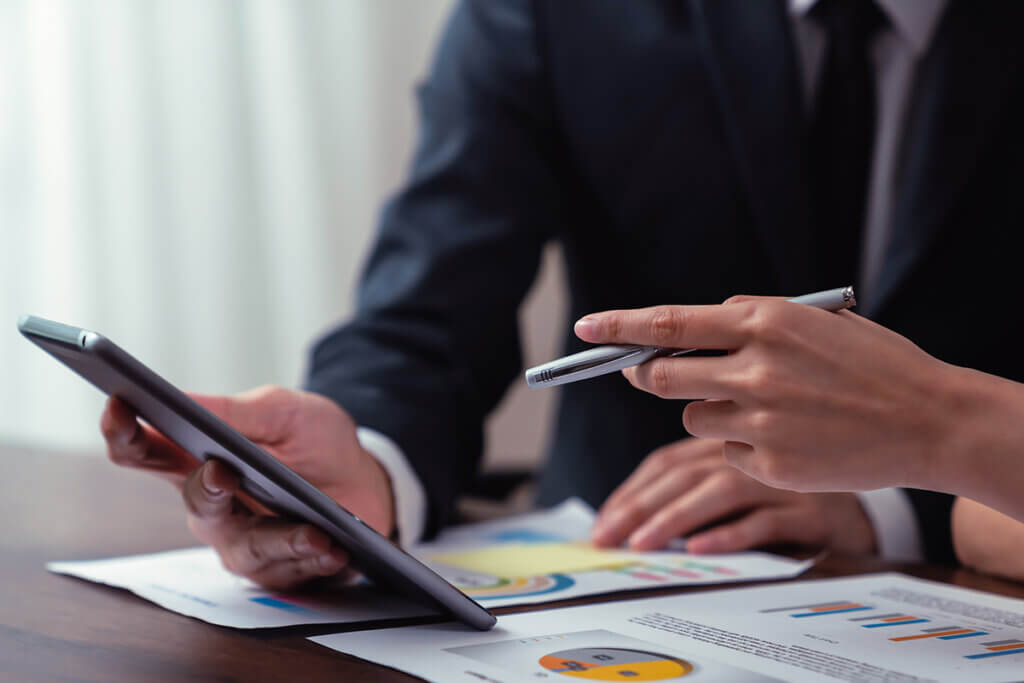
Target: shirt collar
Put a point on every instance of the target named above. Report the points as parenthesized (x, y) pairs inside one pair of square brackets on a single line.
[(915, 20)]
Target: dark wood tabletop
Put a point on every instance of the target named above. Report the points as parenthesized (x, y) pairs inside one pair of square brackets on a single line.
[(56, 628)]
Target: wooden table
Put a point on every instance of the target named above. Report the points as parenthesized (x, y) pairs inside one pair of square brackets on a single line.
[(56, 628)]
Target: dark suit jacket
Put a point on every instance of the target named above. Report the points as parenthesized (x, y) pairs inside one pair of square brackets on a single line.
[(663, 144)]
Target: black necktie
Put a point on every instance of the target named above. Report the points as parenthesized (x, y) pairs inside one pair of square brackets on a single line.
[(843, 134)]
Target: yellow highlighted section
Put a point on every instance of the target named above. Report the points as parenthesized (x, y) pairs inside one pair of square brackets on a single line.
[(658, 670), (531, 559)]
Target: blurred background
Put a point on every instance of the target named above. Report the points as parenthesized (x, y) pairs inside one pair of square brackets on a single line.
[(200, 181)]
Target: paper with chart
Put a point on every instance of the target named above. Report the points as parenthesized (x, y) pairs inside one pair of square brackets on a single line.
[(880, 627), (194, 583), (489, 561), (477, 558)]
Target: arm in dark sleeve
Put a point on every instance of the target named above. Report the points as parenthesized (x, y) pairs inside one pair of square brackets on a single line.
[(434, 341), (933, 511)]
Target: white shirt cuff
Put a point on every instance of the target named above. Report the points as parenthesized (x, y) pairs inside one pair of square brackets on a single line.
[(895, 524), (410, 497)]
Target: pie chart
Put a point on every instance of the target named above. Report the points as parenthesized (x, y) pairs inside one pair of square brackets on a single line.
[(615, 664)]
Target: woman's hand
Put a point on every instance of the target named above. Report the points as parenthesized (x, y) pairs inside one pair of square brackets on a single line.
[(805, 399)]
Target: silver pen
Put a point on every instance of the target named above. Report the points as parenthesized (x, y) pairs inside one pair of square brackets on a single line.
[(602, 360)]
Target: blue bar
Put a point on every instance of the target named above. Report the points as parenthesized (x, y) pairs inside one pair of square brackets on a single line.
[(963, 635), (996, 654), (896, 623), (279, 604), (834, 611)]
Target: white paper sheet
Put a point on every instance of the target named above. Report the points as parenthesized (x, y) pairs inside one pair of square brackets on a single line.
[(571, 521), (193, 582), (880, 627)]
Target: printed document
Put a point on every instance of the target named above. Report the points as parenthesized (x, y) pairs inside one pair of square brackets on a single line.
[(880, 627)]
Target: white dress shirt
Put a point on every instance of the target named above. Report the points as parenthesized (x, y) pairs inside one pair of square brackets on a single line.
[(895, 53)]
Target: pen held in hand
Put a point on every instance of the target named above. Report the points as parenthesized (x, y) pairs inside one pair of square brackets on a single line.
[(605, 359)]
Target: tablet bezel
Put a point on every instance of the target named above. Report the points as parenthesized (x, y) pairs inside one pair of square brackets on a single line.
[(201, 433)]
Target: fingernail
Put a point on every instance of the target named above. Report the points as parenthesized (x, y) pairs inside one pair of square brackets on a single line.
[(587, 327), (206, 479)]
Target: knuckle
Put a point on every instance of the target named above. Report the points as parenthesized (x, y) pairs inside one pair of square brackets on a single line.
[(613, 326), (264, 392), (758, 320), (275, 394), (660, 378), (761, 423), (729, 483), (756, 378), (255, 549), (666, 324), (633, 512), (663, 460)]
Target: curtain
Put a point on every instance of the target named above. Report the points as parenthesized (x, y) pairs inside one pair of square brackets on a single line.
[(197, 179)]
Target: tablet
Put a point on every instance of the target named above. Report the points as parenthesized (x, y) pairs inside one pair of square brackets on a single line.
[(263, 476)]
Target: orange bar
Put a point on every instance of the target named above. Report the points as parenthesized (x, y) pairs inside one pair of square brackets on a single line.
[(1011, 646), (895, 619), (829, 608), (940, 633)]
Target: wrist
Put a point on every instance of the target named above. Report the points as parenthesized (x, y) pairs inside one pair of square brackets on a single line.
[(945, 438), (853, 532), (984, 447), (382, 498)]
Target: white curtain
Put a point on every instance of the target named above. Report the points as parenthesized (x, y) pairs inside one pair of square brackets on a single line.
[(197, 179)]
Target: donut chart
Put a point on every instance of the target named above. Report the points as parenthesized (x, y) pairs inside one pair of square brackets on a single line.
[(615, 664), (519, 587)]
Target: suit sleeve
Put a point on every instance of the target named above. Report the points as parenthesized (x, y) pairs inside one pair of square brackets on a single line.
[(434, 341), (934, 521)]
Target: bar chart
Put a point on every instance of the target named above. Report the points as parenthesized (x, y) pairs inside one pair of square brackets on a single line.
[(893, 622)]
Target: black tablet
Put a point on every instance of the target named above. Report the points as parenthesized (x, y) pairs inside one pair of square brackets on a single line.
[(263, 476)]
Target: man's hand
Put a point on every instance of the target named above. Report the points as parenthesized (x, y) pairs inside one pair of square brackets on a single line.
[(805, 399), (687, 485), (308, 433)]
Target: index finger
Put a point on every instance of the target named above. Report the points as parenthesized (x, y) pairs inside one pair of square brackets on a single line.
[(133, 444), (683, 327)]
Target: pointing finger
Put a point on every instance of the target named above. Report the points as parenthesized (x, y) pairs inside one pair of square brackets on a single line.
[(682, 327)]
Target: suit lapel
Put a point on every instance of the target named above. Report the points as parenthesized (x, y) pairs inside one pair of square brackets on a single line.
[(961, 85), (752, 63)]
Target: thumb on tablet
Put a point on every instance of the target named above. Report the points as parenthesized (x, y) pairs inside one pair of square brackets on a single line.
[(263, 415)]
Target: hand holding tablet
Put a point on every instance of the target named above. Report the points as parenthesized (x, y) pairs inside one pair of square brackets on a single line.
[(186, 428)]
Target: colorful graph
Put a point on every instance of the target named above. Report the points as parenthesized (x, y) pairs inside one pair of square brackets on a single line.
[(891, 619), (673, 571), (526, 536), (942, 633), (287, 603), (520, 587), (820, 609), (614, 664), (999, 648), (948, 631)]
